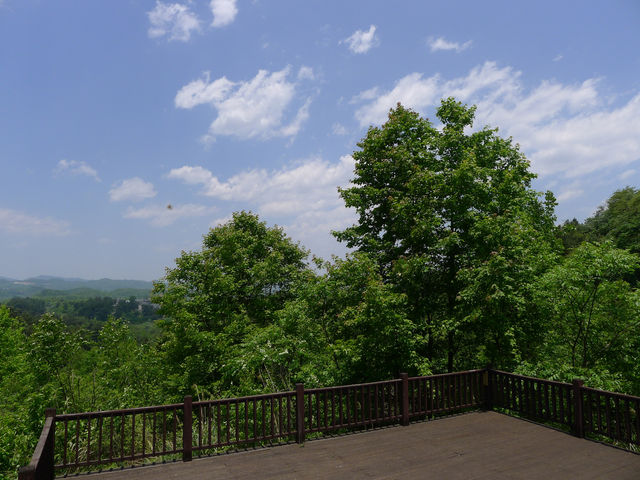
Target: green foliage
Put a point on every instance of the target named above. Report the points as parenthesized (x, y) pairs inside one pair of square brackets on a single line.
[(443, 203), (619, 220), (21, 400), (572, 233), (215, 298), (590, 313)]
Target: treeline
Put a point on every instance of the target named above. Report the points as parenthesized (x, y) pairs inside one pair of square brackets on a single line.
[(88, 314), (618, 221), (456, 262)]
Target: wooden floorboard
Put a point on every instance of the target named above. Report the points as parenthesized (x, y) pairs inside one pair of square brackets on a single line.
[(480, 445)]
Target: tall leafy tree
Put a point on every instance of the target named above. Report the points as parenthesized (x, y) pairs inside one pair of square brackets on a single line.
[(434, 203), (216, 298)]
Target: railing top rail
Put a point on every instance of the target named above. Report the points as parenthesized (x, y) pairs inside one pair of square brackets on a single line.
[(262, 396), (450, 374), (535, 379), (607, 393), (123, 411), (354, 385)]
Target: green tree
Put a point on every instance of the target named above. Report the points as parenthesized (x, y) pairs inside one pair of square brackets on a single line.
[(21, 401), (438, 202), (592, 314), (215, 298), (125, 373), (619, 220), (56, 355), (572, 233), (354, 325)]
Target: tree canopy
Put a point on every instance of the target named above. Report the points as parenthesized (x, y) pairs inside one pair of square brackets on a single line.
[(215, 298), (453, 206)]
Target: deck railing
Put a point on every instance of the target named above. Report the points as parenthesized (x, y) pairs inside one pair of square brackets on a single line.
[(74, 441)]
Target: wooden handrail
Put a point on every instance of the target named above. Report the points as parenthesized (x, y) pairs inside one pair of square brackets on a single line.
[(105, 437)]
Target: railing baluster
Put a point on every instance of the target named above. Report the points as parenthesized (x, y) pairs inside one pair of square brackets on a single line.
[(246, 421), (617, 407), (237, 424), (99, 439), (88, 439), (627, 421), (175, 429), (64, 449), (154, 430), (164, 430), (144, 427), (637, 409), (133, 434), (255, 419), (228, 421), (77, 438)]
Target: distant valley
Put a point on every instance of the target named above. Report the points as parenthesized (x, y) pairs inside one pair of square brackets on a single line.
[(47, 286)]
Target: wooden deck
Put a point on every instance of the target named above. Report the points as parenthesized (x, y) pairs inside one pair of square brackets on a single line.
[(479, 445)]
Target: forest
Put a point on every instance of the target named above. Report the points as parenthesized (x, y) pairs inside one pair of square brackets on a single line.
[(455, 262)]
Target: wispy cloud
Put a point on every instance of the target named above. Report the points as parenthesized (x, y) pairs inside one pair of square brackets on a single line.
[(627, 174), (165, 215), (15, 222), (174, 20), (564, 129), (362, 41), (339, 129), (248, 109), (440, 44), (224, 12), (133, 189), (302, 196), (75, 167)]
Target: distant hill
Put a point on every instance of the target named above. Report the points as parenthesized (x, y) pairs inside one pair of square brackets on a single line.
[(45, 285)]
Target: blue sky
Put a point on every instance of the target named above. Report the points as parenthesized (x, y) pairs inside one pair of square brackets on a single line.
[(112, 110)]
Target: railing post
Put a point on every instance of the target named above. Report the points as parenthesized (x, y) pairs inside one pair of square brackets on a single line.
[(487, 383), (42, 462), (187, 432), (578, 425), (50, 448), (404, 398), (300, 413)]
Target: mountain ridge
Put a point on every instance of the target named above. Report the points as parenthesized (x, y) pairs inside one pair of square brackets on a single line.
[(53, 285)]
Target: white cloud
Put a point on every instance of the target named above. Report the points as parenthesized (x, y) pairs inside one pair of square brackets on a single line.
[(133, 189), (563, 129), (165, 215), (438, 44), (569, 193), (224, 12), (12, 221), (626, 174), (361, 41), (255, 108), (411, 90), (77, 168), (174, 20), (558, 57), (303, 197), (339, 129), (306, 73)]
